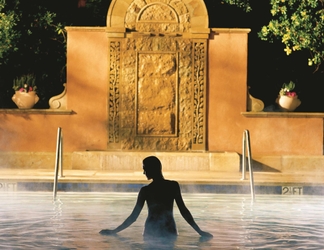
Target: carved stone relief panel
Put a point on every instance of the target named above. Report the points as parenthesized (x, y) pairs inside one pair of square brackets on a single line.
[(157, 94), (157, 80)]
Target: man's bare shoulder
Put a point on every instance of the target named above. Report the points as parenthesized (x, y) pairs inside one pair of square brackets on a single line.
[(172, 182), (169, 183)]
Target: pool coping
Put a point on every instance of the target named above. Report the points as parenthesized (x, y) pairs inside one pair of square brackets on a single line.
[(296, 183)]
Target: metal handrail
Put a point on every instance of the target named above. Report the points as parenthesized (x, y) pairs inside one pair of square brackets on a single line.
[(246, 146), (58, 161)]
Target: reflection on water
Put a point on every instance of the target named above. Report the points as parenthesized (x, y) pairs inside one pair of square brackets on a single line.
[(73, 221)]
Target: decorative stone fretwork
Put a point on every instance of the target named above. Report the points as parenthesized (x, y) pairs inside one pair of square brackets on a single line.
[(113, 98), (199, 76), (59, 101)]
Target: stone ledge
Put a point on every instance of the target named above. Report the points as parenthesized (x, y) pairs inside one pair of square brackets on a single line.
[(37, 111), (86, 28), (230, 30), (283, 114)]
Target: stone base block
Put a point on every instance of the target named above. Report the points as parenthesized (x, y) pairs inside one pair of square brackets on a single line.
[(132, 161), (182, 161), (288, 163), (32, 160)]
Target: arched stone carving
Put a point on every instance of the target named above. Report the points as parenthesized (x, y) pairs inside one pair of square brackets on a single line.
[(192, 14)]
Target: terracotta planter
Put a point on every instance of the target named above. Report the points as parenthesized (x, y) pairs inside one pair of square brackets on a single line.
[(25, 100), (288, 103)]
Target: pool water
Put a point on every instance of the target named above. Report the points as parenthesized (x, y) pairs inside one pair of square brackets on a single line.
[(32, 220)]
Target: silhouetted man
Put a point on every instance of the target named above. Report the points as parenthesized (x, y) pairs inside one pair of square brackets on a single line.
[(159, 196)]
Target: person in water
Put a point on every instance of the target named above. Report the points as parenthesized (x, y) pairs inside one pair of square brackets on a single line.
[(159, 195)]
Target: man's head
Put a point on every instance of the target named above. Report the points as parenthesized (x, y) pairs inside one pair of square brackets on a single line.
[(152, 167)]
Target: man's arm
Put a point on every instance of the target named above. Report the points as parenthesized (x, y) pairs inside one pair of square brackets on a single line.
[(186, 213), (131, 219)]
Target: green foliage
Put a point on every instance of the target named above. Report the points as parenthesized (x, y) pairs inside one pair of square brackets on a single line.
[(299, 25), (32, 39), (25, 83), (243, 4), (287, 88), (8, 36), (22, 27)]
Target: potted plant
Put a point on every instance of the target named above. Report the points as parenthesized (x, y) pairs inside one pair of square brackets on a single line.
[(25, 95), (288, 99)]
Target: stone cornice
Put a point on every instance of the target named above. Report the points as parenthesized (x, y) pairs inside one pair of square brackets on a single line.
[(230, 30), (37, 111), (282, 115)]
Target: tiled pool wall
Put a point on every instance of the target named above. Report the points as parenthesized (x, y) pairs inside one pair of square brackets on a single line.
[(186, 188)]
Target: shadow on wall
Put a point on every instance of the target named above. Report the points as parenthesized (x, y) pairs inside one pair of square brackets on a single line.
[(257, 166)]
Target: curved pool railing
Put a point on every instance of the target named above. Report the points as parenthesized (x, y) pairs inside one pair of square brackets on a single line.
[(58, 160), (247, 146)]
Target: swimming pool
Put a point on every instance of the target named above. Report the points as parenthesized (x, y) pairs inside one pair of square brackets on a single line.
[(32, 220)]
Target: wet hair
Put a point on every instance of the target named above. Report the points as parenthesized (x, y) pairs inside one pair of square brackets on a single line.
[(153, 165)]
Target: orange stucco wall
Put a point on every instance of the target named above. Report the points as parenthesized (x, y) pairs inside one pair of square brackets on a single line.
[(29, 132), (87, 83), (227, 99), (85, 129)]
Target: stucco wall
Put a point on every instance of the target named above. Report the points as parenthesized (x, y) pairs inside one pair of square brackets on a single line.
[(87, 83), (86, 127), (227, 99)]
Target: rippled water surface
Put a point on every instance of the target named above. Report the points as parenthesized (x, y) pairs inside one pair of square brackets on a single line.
[(34, 221)]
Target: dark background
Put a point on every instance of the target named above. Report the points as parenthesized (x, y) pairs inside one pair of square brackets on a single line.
[(268, 65)]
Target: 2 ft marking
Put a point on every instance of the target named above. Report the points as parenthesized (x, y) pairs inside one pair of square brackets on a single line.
[(8, 186), (286, 190)]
